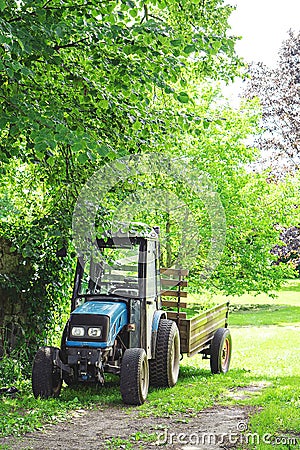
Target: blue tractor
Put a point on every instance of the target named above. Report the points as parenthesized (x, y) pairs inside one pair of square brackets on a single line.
[(116, 324)]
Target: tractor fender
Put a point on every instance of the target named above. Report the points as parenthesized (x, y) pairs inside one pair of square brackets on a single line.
[(159, 314)]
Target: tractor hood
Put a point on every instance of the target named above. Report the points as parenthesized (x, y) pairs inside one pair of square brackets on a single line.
[(110, 309), (111, 317)]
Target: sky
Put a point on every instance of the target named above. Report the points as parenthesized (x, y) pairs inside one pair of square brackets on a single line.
[(264, 25)]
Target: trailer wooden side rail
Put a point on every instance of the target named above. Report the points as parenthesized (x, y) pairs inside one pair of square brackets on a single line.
[(197, 332)]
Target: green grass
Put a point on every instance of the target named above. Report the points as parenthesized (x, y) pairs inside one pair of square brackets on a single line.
[(114, 443), (288, 295), (263, 315), (279, 417), (266, 349), (267, 344)]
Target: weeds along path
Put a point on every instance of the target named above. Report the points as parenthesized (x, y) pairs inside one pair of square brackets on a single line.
[(123, 428)]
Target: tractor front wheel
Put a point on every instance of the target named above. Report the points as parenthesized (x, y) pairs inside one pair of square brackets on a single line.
[(46, 378), (134, 376)]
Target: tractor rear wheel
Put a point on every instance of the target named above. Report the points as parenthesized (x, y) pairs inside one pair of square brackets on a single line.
[(46, 379), (134, 376), (164, 369), (220, 351)]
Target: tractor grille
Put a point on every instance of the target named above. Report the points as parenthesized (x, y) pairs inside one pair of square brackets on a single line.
[(87, 321)]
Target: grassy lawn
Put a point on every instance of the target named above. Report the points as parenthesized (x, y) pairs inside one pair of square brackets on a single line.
[(268, 338), (266, 349)]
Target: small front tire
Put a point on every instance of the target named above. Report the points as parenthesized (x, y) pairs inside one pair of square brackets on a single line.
[(134, 376), (46, 378)]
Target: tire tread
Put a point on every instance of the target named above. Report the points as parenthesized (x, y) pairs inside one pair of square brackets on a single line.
[(159, 370), (215, 347), (130, 376), (45, 382)]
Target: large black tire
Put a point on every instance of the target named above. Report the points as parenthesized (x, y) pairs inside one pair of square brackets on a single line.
[(220, 351), (164, 369), (134, 376), (46, 379)]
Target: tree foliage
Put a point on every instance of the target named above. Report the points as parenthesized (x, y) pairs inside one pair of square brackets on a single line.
[(252, 206), (290, 251), (84, 83), (80, 79), (279, 94)]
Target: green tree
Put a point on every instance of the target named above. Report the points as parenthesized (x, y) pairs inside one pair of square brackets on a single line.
[(83, 83), (80, 79), (277, 89), (211, 144)]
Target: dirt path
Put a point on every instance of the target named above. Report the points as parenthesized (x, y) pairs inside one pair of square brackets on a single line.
[(214, 428)]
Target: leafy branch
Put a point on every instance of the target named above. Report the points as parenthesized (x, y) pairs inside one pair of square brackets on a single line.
[(58, 47)]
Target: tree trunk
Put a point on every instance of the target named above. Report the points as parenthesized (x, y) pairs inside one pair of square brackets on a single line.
[(169, 261)]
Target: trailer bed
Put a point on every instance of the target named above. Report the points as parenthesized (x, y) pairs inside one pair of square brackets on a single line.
[(197, 332)]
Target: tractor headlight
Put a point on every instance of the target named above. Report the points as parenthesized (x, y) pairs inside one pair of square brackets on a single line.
[(94, 332), (77, 331)]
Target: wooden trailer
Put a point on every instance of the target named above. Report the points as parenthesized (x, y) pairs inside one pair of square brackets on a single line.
[(206, 332)]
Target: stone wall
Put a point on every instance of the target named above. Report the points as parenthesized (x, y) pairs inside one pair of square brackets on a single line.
[(12, 306)]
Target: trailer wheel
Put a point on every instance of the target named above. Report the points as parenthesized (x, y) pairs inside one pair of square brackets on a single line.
[(164, 369), (220, 351), (46, 379), (134, 376)]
